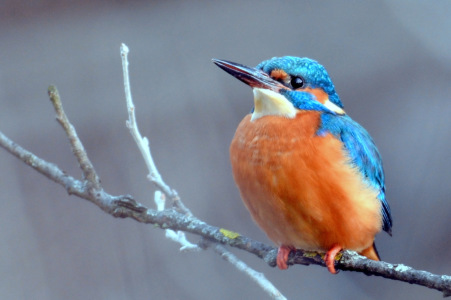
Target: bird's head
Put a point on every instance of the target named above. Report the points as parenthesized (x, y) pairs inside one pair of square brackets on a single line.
[(285, 85)]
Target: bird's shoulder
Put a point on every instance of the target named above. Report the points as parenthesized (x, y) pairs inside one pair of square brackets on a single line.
[(363, 154)]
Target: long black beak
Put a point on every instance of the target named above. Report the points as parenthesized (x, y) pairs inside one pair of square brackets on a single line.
[(251, 76)]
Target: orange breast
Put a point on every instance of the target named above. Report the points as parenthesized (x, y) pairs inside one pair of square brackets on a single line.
[(299, 187)]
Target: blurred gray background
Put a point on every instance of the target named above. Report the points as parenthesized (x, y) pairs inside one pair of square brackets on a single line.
[(390, 62)]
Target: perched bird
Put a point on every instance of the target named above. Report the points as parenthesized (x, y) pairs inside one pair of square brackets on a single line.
[(310, 176)]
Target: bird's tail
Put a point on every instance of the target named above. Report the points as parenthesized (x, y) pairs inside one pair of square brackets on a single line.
[(371, 252)]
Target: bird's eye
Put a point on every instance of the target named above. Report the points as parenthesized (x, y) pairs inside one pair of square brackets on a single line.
[(297, 82)]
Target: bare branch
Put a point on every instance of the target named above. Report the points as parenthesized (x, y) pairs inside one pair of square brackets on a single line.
[(77, 147), (127, 207), (176, 236), (49, 170)]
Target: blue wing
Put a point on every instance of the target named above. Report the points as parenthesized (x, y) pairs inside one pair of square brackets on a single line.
[(363, 153)]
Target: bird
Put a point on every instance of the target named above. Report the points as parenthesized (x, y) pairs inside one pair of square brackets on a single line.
[(310, 176)]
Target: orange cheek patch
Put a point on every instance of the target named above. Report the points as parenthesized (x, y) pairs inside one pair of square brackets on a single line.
[(279, 75), (320, 95)]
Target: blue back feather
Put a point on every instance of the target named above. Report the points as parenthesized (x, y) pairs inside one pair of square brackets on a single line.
[(363, 154)]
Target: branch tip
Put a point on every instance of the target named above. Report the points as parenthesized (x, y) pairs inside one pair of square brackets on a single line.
[(54, 97), (124, 49)]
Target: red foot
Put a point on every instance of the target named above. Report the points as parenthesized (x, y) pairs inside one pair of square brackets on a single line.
[(329, 258), (282, 256)]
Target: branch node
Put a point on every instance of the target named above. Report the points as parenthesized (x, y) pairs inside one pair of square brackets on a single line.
[(270, 258), (122, 205)]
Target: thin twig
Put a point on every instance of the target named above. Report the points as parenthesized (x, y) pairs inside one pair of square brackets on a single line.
[(142, 142), (86, 166), (258, 277)]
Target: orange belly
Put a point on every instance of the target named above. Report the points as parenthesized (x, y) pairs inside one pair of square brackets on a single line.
[(300, 188)]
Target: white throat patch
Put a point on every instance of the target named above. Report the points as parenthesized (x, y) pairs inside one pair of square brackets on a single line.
[(267, 102)]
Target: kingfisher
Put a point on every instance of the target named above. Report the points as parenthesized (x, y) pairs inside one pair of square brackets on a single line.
[(310, 176)]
